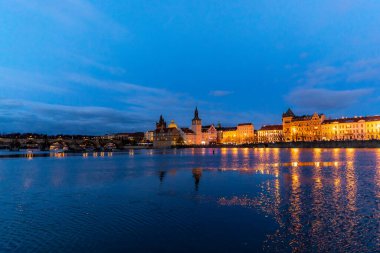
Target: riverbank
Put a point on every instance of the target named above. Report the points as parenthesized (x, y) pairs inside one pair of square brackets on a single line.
[(314, 144)]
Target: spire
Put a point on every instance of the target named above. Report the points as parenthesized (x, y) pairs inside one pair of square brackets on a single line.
[(196, 115), (288, 113), (161, 123)]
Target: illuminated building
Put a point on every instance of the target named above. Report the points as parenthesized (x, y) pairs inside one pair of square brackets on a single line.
[(270, 133), (196, 127), (245, 133), (372, 127), (316, 127), (167, 136), (149, 136), (209, 135), (242, 133), (228, 135), (302, 128), (357, 128), (343, 129)]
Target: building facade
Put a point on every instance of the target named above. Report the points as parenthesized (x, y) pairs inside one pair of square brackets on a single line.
[(357, 128), (302, 128), (316, 127), (241, 134), (270, 134), (167, 136)]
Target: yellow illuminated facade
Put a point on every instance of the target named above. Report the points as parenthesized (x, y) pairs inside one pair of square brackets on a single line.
[(171, 135), (270, 134), (344, 129), (302, 128), (243, 133), (294, 128), (316, 127), (372, 127)]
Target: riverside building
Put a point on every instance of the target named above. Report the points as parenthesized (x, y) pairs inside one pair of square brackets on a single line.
[(270, 134), (317, 128), (197, 134)]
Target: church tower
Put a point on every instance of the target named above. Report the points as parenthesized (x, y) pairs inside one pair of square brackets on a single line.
[(196, 126), (161, 124)]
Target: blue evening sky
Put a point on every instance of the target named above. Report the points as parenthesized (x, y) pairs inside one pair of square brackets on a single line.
[(98, 67)]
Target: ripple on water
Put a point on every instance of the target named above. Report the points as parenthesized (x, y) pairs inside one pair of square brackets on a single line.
[(322, 201)]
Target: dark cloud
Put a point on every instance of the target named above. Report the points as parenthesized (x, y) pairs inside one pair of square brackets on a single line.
[(324, 99), (26, 116), (348, 73)]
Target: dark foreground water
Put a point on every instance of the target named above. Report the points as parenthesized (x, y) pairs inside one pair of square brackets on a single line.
[(191, 200)]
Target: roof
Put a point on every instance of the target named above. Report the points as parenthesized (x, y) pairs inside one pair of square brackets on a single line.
[(271, 127), (172, 124), (245, 124), (130, 134), (228, 128), (196, 115), (187, 131), (305, 117), (372, 118), (166, 130), (206, 128), (352, 120), (288, 113)]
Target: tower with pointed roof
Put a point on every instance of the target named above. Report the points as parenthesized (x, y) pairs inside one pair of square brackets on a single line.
[(287, 116), (196, 126), (161, 124)]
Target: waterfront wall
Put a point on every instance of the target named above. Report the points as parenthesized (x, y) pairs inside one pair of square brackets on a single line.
[(323, 144), (312, 144)]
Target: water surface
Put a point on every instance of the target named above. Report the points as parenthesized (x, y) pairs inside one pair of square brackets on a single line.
[(191, 200)]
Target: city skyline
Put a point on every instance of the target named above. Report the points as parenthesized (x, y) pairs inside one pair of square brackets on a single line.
[(81, 67)]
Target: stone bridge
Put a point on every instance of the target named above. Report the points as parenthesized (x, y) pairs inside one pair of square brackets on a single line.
[(60, 144)]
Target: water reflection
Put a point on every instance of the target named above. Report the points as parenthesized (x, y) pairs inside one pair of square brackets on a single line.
[(316, 203), (197, 174), (161, 175), (320, 200)]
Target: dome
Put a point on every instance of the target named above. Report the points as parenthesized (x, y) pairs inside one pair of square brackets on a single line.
[(172, 124)]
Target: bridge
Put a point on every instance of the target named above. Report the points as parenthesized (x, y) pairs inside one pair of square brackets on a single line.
[(60, 144)]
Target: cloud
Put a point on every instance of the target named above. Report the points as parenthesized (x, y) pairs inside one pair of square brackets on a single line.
[(220, 93), (349, 72), (77, 14), (124, 106), (317, 75), (20, 81), (328, 87), (120, 106), (29, 116), (110, 84), (324, 99), (96, 64)]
